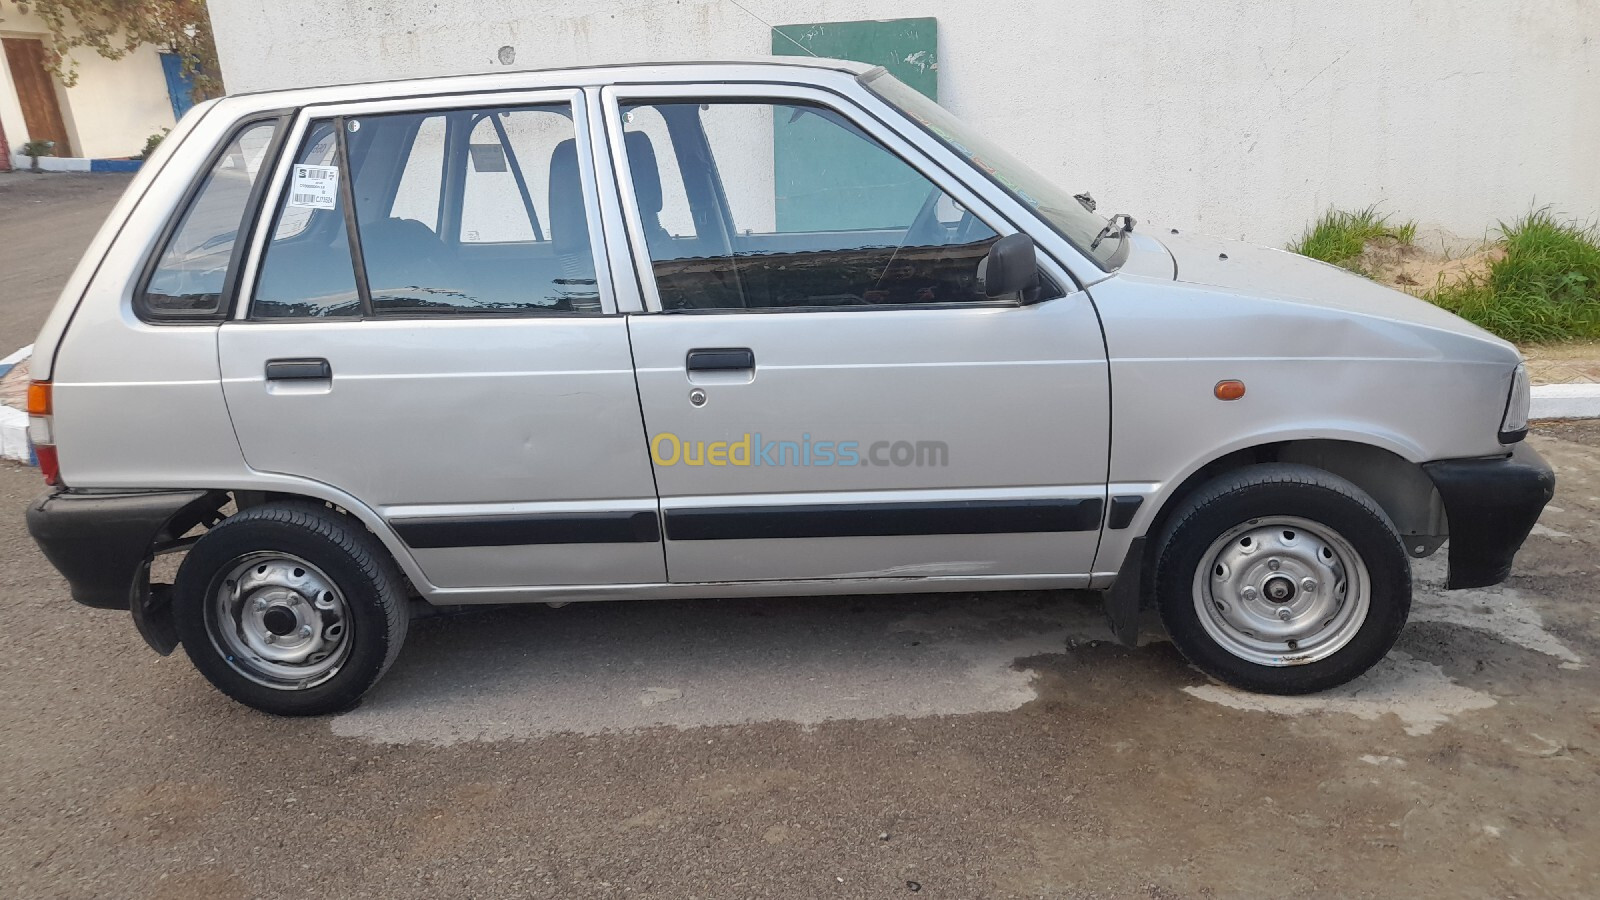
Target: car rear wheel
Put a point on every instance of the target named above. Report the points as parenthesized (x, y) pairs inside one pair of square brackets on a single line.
[(290, 608), (1282, 579)]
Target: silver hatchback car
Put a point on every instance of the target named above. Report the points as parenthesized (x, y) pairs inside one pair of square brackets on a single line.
[(729, 330)]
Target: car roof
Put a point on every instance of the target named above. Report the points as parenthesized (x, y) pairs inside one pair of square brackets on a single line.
[(770, 68)]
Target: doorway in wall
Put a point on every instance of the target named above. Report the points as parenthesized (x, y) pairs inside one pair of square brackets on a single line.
[(36, 92)]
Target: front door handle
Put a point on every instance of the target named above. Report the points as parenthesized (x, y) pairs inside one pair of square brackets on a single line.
[(299, 370), (738, 359)]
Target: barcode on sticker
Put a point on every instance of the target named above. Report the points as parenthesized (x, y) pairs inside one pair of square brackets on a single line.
[(315, 187)]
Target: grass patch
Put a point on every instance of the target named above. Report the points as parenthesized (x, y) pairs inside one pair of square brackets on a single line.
[(1340, 236), (1545, 288)]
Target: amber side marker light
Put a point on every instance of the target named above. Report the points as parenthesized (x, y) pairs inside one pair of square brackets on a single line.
[(41, 431), (1229, 390)]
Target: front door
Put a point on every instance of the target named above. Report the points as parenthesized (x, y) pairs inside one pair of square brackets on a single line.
[(463, 371), (827, 391), (36, 92)]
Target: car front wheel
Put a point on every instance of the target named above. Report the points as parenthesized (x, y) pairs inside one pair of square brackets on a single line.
[(1282, 579), (290, 608)]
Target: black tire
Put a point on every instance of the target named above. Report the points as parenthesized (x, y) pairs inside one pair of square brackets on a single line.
[(373, 600), (1281, 490)]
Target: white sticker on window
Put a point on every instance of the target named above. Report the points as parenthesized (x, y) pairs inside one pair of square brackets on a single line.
[(315, 187)]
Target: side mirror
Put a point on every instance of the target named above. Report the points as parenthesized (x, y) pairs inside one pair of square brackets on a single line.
[(1011, 268)]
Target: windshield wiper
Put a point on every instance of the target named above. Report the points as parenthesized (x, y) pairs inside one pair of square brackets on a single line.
[(1121, 223)]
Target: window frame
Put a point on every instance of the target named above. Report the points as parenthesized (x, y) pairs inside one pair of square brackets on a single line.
[(244, 235), (1060, 283), (294, 136)]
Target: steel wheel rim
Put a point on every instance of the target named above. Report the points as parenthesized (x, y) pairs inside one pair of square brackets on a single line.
[(279, 621), (1282, 591)]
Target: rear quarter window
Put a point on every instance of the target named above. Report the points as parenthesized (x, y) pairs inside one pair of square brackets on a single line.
[(189, 277)]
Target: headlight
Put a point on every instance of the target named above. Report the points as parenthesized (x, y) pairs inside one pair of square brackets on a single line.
[(1514, 424)]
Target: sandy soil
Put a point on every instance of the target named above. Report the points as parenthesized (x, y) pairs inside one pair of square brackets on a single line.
[(14, 386), (1418, 271)]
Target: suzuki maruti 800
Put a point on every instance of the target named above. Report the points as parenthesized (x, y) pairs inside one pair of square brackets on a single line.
[(729, 330)]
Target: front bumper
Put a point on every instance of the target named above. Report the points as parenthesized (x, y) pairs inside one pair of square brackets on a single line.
[(1492, 505)]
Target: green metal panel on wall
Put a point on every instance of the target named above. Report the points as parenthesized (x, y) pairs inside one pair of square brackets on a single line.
[(828, 179)]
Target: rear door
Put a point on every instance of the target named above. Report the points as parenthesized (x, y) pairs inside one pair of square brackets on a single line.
[(827, 391), (427, 327)]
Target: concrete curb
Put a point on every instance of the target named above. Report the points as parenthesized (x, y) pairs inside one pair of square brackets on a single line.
[(14, 442), (1565, 401), (20, 163)]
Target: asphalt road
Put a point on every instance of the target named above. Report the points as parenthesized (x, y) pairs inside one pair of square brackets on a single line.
[(46, 221), (940, 746)]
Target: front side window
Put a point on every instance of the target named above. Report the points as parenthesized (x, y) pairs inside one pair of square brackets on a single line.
[(788, 205), (188, 279), (461, 212)]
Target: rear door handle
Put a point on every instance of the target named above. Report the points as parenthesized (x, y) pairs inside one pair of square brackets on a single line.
[(735, 359), (299, 370)]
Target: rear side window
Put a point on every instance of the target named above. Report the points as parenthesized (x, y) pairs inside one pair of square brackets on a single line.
[(191, 273), (458, 212), (504, 231)]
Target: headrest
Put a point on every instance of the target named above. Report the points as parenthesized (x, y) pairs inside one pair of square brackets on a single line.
[(646, 175), (569, 226)]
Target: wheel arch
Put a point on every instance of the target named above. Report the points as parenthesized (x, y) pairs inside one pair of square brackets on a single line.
[(1388, 471), (284, 488), (1398, 485)]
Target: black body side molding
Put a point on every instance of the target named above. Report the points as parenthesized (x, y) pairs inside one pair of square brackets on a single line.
[(1122, 510), (884, 519), (620, 527)]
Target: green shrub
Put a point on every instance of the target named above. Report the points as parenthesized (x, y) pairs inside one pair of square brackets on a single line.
[(1339, 237), (1545, 288), (152, 142), (35, 149)]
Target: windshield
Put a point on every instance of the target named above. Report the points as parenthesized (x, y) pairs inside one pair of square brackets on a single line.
[(1056, 206)]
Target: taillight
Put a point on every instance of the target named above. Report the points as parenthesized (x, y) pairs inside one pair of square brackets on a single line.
[(41, 430)]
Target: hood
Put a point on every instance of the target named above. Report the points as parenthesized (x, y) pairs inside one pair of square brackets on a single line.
[(1248, 268)]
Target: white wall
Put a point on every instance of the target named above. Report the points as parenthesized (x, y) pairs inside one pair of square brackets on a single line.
[(114, 107), (1237, 117), (117, 104)]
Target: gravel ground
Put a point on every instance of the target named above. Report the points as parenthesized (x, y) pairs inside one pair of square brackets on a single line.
[(943, 746)]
